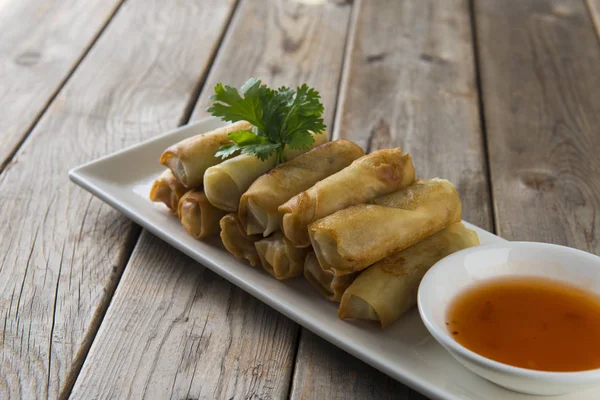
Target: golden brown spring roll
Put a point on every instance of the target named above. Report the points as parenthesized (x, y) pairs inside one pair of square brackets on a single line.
[(388, 288), (167, 189), (189, 159), (329, 285), (258, 206), (225, 183), (198, 216), (279, 257), (352, 239), (373, 175), (236, 241)]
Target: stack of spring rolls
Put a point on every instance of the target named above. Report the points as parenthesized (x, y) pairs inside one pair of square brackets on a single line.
[(360, 228)]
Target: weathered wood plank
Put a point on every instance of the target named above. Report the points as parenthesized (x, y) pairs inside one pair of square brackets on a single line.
[(409, 81), (175, 329), (323, 371), (42, 42), (288, 47), (540, 82), (63, 251)]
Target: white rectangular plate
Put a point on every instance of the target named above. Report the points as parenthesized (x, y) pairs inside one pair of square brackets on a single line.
[(404, 351)]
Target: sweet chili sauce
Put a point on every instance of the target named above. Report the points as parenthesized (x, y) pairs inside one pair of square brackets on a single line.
[(529, 322)]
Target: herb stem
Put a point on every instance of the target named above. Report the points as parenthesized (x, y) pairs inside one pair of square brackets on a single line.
[(280, 156)]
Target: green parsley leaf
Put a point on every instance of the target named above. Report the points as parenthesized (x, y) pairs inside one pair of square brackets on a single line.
[(246, 137), (230, 106), (282, 117), (261, 150), (301, 142), (227, 150), (305, 112)]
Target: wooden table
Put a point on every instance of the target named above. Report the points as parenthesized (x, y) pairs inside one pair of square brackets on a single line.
[(501, 97)]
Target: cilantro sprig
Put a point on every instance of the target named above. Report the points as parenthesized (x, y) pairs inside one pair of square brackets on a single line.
[(280, 118)]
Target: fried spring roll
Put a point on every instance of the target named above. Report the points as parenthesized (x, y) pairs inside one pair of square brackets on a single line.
[(388, 288), (189, 159), (225, 183), (373, 175), (329, 285), (258, 206), (352, 239), (236, 241), (279, 257), (167, 189), (198, 216)]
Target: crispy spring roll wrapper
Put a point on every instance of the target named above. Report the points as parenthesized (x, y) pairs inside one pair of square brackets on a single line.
[(190, 158), (373, 175), (352, 239), (258, 206), (329, 285), (236, 241), (198, 216), (388, 288), (225, 183), (279, 257), (167, 189)]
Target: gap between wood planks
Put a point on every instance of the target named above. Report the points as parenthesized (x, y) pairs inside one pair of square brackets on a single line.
[(480, 105), (189, 109), (336, 113), (130, 241), (6, 162), (133, 238), (9, 158)]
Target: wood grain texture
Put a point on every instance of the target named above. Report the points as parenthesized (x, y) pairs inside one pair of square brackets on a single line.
[(409, 81), (324, 371), (284, 42), (42, 41), (62, 250), (174, 329), (540, 82)]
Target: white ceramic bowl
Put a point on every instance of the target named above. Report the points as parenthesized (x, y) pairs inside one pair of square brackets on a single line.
[(456, 272)]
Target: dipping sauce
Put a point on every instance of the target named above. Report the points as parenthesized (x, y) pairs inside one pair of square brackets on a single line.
[(529, 322)]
